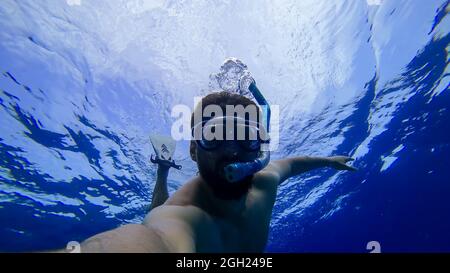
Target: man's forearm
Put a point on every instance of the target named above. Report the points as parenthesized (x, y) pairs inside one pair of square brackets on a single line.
[(303, 164), (296, 165), (160, 193)]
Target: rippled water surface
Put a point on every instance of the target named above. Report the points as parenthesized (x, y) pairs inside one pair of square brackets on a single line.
[(83, 83)]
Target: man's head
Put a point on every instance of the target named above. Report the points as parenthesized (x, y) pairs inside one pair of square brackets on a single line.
[(211, 162)]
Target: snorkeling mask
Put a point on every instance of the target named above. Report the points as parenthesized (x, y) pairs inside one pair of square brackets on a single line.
[(212, 133)]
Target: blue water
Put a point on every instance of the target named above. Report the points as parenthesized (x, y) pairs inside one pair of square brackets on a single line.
[(83, 84)]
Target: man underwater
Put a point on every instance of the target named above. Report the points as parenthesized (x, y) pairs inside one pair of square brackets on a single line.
[(214, 212)]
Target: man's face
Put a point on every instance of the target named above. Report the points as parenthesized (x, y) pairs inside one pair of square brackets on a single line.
[(211, 165)]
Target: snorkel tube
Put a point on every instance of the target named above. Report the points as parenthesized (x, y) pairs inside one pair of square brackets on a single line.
[(237, 171)]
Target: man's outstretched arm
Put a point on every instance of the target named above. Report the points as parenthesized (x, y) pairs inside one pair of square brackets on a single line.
[(134, 238), (286, 168), (160, 193), (128, 238)]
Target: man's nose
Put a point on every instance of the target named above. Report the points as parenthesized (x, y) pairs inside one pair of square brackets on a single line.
[(232, 149)]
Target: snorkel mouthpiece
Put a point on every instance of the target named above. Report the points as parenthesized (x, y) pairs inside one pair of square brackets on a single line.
[(235, 172)]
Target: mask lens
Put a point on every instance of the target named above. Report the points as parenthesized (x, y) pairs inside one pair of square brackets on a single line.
[(214, 133), (250, 145), (209, 144)]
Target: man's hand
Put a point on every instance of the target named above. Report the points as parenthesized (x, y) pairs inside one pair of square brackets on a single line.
[(340, 163), (164, 164)]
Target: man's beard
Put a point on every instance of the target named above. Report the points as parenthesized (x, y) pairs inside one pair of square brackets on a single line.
[(224, 189)]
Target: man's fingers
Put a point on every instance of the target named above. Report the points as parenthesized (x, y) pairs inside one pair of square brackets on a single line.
[(342, 160)]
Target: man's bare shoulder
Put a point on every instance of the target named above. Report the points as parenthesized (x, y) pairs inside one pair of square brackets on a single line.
[(169, 212), (178, 225), (264, 189), (267, 179)]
